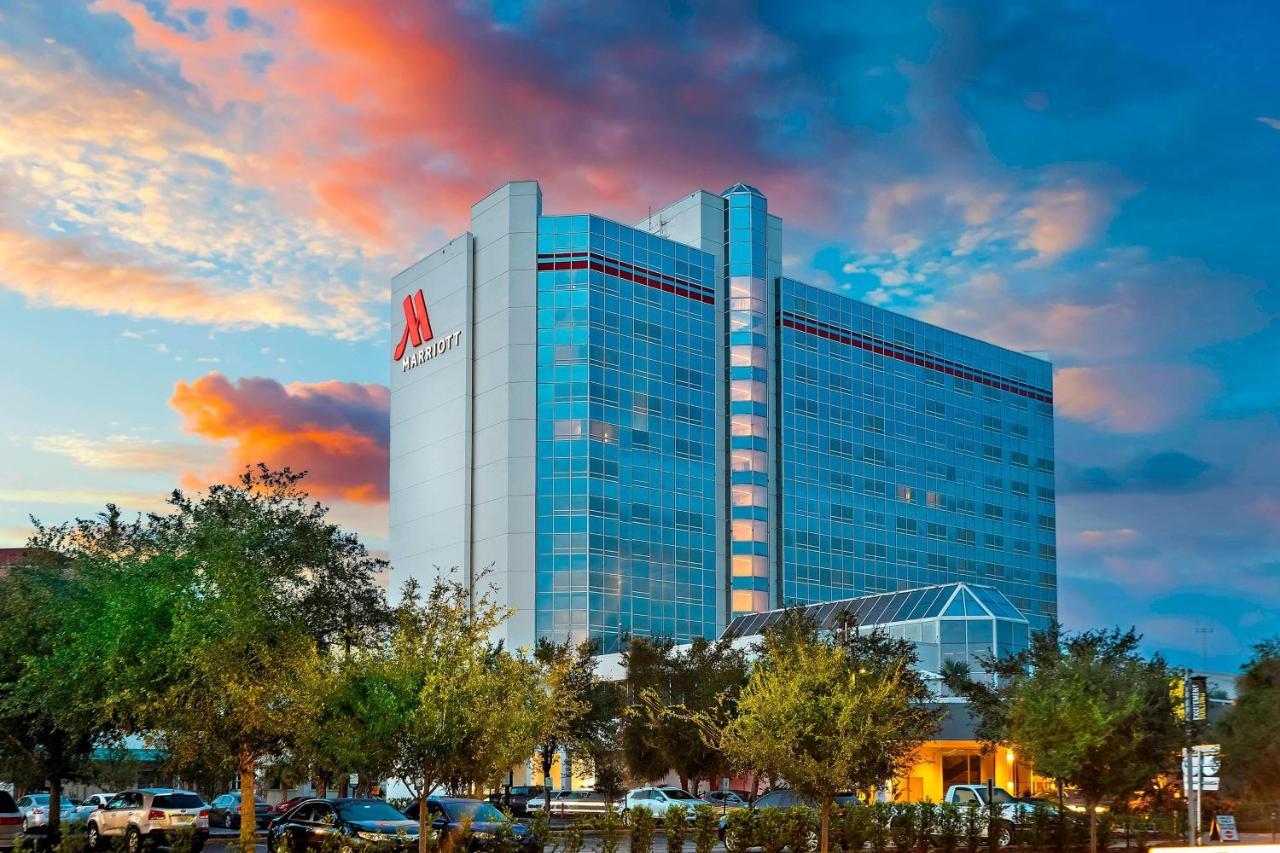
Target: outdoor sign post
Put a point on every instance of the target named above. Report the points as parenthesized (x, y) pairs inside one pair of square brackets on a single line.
[(1224, 826)]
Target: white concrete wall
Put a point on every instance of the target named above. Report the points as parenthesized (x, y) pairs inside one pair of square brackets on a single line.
[(505, 407), (430, 423)]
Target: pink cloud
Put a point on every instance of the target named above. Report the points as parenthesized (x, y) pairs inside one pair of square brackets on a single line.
[(1132, 397), (338, 431)]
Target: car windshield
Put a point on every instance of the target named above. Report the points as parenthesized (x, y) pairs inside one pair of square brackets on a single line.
[(177, 801), (43, 800), (7, 805), (477, 811), (677, 794), (1000, 796), (371, 810)]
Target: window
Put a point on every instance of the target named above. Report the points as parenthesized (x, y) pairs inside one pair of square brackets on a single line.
[(748, 425)]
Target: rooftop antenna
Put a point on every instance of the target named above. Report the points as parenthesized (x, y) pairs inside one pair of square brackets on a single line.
[(1204, 631)]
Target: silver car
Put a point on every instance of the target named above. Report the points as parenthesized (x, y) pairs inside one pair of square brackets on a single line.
[(35, 811), (10, 819), (149, 816)]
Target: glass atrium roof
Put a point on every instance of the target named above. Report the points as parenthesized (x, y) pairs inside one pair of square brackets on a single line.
[(953, 600)]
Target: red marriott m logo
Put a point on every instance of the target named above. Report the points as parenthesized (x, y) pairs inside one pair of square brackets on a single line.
[(417, 324)]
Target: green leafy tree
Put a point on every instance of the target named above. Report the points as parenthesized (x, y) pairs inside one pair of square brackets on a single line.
[(1250, 731), (830, 713), (49, 722), (458, 710), (680, 702), (243, 657), (582, 718), (1087, 710)]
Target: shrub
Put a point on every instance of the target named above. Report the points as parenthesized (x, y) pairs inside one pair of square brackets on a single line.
[(540, 828), (972, 825), (926, 823), (740, 831), (610, 830), (881, 816), (642, 829), (772, 830), (706, 828), (905, 827), (571, 838), (675, 825), (854, 827), (1106, 830), (949, 824), (1040, 831), (802, 828)]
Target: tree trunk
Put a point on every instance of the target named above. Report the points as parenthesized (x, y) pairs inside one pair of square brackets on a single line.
[(824, 825), (423, 825), (1062, 819), (55, 805), (547, 759), (1093, 826), (248, 802)]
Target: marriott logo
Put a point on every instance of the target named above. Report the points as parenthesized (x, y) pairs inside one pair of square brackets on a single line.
[(417, 331)]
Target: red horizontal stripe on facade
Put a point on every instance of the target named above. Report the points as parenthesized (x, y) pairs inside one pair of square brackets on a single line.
[(648, 278), (887, 350)]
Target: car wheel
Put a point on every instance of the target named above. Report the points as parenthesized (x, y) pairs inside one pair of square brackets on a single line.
[(94, 841), (133, 840), (226, 820), (1004, 835)]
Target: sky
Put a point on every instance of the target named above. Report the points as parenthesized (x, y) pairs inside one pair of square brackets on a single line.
[(202, 203)]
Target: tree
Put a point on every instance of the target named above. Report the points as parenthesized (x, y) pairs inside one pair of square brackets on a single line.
[(581, 712), (255, 573), (48, 724), (457, 710), (830, 712), (1086, 709), (680, 701), (1251, 729)]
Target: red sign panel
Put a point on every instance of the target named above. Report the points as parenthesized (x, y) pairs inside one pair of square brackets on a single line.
[(417, 325)]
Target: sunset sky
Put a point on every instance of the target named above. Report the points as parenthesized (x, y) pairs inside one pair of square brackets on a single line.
[(201, 204)]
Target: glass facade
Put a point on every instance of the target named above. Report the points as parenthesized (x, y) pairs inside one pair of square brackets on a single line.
[(950, 622), (750, 460), (626, 467), (857, 451), (911, 456)]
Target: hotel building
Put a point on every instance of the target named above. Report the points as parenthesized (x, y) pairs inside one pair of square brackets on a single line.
[(650, 429)]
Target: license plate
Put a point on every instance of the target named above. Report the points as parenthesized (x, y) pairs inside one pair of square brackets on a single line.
[(183, 818)]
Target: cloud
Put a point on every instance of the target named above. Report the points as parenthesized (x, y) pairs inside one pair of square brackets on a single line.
[(1169, 471), (118, 199), (126, 452), (127, 500), (71, 273), (337, 431), (1133, 397), (1273, 123), (1065, 218)]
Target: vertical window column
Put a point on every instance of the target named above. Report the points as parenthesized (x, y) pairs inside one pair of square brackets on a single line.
[(751, 566)]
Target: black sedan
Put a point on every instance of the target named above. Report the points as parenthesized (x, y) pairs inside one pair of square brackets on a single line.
[(308, 824), (224, 811), (487, 824)]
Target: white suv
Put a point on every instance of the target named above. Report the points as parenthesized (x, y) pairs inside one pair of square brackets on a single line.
[(150, 815), (660, 800)]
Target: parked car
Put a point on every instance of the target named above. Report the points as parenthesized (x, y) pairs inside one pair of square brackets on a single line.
[(35, 811), (1013, 811), (10, 819), (224, 811), (783, 798), (660, 800), (448, 814), (570, 803), (149, 817), (729, 799), (282, 808), (308, 824), (518, 799)]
